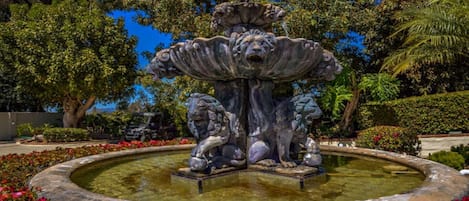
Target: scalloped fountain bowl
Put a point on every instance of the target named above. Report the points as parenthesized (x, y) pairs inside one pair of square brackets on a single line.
[(351, 174)]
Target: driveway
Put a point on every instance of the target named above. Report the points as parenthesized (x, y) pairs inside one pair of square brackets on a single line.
[(11, 147)]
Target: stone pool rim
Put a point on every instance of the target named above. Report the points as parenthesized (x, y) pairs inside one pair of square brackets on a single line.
[(441, 182)]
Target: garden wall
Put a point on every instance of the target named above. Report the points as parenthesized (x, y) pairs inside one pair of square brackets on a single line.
[(9, 121)]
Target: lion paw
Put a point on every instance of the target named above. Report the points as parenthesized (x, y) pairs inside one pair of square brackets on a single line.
[(288, 164), (266, 162)]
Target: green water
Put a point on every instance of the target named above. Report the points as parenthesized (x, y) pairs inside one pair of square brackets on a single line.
[(148, 177)]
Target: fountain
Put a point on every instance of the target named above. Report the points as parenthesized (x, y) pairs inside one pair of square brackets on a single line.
[(244, 125), (248, 139)]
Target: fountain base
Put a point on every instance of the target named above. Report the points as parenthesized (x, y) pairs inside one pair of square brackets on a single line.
[(298, 178)]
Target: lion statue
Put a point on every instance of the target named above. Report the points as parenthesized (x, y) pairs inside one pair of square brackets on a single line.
[(215, 131), (292, 118)]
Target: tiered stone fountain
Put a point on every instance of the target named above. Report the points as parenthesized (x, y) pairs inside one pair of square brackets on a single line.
[(244, 125)]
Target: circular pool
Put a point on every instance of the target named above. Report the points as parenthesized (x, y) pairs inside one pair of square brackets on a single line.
[(351, 174)]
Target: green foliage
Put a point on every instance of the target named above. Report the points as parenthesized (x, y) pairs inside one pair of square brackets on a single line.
[(24, 130), (463, 150), (380, 86), (432, 114), (389, 138), (171, 96), (435, 34), (334, 99), (65, 134), (449, 158), (108, 123), (69, 54)]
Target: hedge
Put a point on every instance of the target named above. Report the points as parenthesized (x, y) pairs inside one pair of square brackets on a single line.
[(389, 138), (432, 114), (65, 134)]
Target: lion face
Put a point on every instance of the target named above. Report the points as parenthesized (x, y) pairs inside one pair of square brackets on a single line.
[(197, 117), (254, 46), (257, 49), (306, 110)]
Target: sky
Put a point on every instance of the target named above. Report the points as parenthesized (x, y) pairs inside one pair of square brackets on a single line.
[(148, 39)]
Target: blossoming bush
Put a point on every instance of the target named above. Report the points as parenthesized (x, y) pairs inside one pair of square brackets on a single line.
[(65, 134), (389, 138), (17, 169)]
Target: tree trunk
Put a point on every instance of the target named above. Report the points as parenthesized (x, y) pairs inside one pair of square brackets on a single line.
[(351, 106), (75, 110)]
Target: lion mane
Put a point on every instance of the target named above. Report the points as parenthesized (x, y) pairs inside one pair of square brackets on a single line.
[(244, 44)]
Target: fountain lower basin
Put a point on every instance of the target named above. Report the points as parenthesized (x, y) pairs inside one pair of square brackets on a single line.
[(441, 182)]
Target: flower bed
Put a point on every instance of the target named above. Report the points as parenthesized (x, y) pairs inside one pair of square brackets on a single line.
[(17, 169)]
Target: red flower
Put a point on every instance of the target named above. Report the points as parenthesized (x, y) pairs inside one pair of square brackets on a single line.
[(184, 141), (377, 138)]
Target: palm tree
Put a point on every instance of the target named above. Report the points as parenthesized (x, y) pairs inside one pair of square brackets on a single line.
[(435, 35)]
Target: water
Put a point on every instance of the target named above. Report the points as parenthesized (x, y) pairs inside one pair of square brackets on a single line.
[(148, 177)]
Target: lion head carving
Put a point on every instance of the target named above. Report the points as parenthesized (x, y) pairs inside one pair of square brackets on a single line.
[(254, 46), (206, 117), (306, 110)]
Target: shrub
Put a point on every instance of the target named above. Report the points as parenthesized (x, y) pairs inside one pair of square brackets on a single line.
[(389, 138), (449, 158), (24, 130), (432, 114), (109, 123), (65, 134), (462, 150)]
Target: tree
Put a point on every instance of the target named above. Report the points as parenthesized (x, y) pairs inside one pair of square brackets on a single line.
[(436, 39), (70, 54), (10, 98), (5, 12)]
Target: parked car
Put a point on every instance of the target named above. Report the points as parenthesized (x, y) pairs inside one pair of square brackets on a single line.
[(143, 126)]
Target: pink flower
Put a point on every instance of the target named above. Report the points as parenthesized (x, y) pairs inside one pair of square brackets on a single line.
[(16, 194)]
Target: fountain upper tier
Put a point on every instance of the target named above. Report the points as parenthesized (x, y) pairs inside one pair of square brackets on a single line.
[(248, 53), (241, 17)]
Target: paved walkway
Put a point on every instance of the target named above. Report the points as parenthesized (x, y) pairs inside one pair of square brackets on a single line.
[(8, 147)]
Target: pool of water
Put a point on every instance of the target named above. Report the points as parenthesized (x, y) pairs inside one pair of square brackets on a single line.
[(148, 177)]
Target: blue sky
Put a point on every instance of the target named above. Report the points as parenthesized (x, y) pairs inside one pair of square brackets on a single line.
[(148, 37)]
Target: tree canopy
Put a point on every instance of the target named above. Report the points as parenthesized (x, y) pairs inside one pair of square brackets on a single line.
[(70, 54)]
